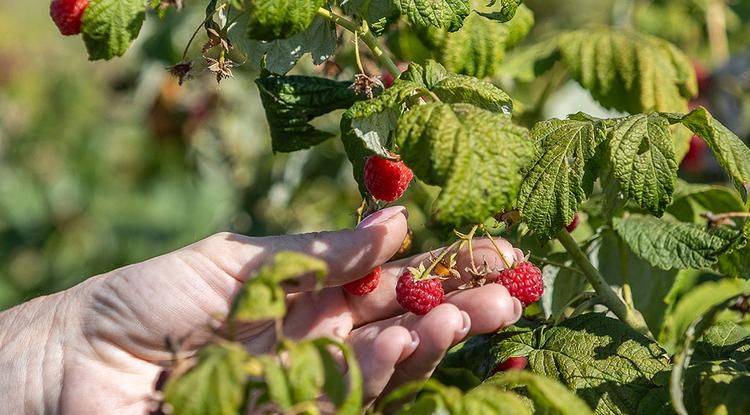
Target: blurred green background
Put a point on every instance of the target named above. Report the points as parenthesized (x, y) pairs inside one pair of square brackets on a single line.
[(106, 164)]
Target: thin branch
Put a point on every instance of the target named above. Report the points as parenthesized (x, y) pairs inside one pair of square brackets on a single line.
[(365, 34)]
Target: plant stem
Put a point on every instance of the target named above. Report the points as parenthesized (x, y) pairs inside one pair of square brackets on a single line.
[(607, 295), (455, 245), (365, 34)]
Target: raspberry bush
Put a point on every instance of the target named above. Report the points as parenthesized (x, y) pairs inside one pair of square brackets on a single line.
[(642, 312)]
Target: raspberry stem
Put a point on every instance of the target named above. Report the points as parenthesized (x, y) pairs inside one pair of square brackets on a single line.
[(366, 35), (607, 295), (497, 248)]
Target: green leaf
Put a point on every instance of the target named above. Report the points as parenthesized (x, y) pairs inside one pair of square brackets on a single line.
[(443, 14), (561, 285), (473, 154), (319, 40), (452, 88), (377, 13), (291, 102), (693, 200), (475, 50), (304, 371), (629, 71), (605, 362), (732, 154), (367, 126), (737, 262), (691, 318), (520, 26), (345, 393), (641, 153), (214, 386), (549, 396), (262, 298), (696, 303), (280, 19), (505, 11), (667, 244), (553, 187), (276, 382), (110, 26), (493, 400)]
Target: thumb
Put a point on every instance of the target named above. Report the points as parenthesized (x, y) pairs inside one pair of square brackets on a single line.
[(350, 254)]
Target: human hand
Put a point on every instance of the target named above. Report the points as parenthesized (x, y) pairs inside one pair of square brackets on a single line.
[(98, 347)]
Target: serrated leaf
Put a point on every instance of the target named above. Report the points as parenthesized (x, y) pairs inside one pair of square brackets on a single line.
[(262, 297), (473, 154), (319, 40), (641, 154), (452, 88), (605, 362), (629, 71), (475, 50), (291, 102), (731, 153), (214, 386), (667, 244), (110, 26), (443, 14), (519, 26), (549, 396), (280, 19), (737, 262), (553, 187), (502, 10)]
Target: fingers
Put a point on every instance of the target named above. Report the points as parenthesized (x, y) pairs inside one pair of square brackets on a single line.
[(479, 310), (350, 254), (381, 303), (378, 352)]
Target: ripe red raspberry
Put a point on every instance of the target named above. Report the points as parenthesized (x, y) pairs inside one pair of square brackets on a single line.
[(67, 15), (512, 363), (574, 223), (364, 285), (385, 179), (420, 296), (523, 281)]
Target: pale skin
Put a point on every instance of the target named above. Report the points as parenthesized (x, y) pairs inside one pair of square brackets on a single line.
[(98, 347)]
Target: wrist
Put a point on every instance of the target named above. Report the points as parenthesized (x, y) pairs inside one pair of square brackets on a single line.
[(33, 340)]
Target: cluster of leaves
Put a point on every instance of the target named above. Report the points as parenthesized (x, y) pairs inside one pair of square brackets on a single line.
[(665, 257)]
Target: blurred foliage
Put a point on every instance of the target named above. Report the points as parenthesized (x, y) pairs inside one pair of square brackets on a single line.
[(109, 164)]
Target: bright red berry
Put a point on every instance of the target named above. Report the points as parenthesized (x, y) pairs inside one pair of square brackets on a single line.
[(419, 296), (364, 285), (385, 179), (523, 281), (67, 15), (574, 223), (512, 363)]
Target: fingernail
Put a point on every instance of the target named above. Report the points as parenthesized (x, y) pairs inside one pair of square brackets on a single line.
[(517, 310), (411, 347), (382, 216), (467, 324)]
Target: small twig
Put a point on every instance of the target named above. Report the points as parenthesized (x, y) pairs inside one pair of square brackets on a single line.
[(358, 58)]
